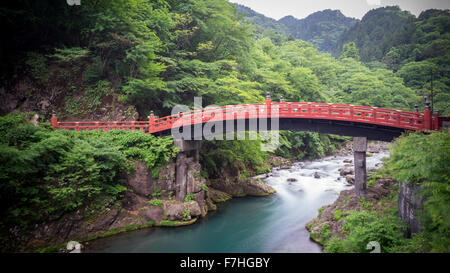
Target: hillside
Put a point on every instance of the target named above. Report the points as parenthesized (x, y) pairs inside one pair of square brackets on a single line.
[(378, 31), (412, 47), (322, 28), (262, 22)]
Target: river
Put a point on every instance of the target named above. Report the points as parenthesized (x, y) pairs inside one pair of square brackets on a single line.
[(253, 224)]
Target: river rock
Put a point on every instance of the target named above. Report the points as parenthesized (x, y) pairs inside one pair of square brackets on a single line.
[(200, 198), (346, 171), (210, 205), (348, 161), (280, 162), (350, 179), (152, 213), (276, 174), (257, 187), (175, 210), (316, 175), (194, 208), (292, 180), (217, 196), (74, 247)]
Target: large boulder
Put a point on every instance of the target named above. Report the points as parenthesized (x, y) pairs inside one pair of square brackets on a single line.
[(176, 210), (346, 171), (218, 196), (152, 213), (194, 208), (256, 187), (350, 179), (200, 198), (228, 186), (140, 181)]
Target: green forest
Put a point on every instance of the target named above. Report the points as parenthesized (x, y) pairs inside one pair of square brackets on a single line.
[(141, 56)]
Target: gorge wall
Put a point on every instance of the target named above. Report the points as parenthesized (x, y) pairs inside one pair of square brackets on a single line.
[(175, 195)]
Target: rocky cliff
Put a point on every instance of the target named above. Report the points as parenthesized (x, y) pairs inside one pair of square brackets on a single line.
[(172, 196)]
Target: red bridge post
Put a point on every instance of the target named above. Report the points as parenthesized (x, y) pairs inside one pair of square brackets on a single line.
[(428, 119), (436, 121), (268, 105), (54, 121), (151, 122)]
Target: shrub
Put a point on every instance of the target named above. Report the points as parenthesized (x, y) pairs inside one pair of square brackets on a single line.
[(189, 197), (155, 202), (364, 227), (46, 173), (423, 159), (186, 213)]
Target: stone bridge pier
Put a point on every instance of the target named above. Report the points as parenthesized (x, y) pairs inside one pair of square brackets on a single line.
[(189, 146), (187, 169), (359, 152)]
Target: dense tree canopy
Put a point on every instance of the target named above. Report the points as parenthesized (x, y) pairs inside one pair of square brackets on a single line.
[(417, 49)]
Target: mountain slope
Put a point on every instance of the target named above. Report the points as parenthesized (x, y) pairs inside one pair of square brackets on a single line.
[(322, 28), (262, 22), (378, 31)]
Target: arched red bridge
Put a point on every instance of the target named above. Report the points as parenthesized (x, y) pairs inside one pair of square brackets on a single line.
[(348, 120)]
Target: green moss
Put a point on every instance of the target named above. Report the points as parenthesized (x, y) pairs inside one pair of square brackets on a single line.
[(115, 231), (260, 180), (168, 223), (50, 249)]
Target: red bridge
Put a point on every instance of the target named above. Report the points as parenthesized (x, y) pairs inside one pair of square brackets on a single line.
[(349, 120)]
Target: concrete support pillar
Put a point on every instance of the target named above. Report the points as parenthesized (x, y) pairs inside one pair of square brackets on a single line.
[(359, 151)]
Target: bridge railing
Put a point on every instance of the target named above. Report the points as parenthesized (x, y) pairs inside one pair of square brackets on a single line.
[(102, 125), (339, 112)]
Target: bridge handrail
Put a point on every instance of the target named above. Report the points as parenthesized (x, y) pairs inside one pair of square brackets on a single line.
[(311, 110)]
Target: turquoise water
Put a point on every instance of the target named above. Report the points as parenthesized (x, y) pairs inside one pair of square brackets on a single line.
[(253, 224)]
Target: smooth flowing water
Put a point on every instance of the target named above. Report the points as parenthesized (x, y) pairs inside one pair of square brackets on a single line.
[(251, 225)]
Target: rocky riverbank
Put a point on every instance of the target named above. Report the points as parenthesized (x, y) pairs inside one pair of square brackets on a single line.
[(172, 196), (379, 197), (329, 221)]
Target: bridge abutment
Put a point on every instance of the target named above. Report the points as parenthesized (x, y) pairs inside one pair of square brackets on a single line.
[(359, 151)]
